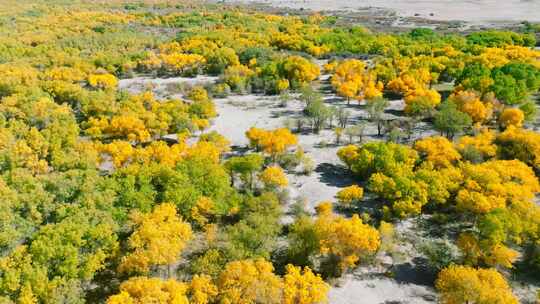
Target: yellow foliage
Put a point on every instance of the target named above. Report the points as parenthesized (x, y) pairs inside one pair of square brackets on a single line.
[(179, 63), (127, 126), (249, 282), (491, 57), (204, 150), (469, 246), (426, 96), (351, 79), (142, 290), (462, 284), (151, 61), (410, 81), (494, 184), (123, 153), (348, 89), (500, 255), (387, 233), (103, 81), (347, 239), (274, 177), (482, 143), (469, 102), (348, 154), (160, 152), (303, 287), (159, 238), (236, 76), (203, 209), (517, 143), (330, 66), (199, 94), (438, 150), (299, 69), (282, 85), (271, 142), (512, 117), (63, 73), (350, 194), (202, 290), (324, 209)]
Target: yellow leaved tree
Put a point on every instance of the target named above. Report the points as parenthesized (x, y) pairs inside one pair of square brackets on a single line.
[(351, 79), (158, 239), (350, 195), (462, 284), (303, 286), (511, 117), (344, 240), (273, 143), (273, 177), (248, 282), (142, 290), (438, 150)]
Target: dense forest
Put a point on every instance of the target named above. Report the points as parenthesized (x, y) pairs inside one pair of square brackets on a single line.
[(109, 196)]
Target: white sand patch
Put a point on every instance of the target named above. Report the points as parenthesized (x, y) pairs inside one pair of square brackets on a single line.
[(160, 85), (379, 291), (473, 11)]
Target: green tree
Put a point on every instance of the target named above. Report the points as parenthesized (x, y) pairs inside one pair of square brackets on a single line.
[(318, 113), (246, 166), (450, 121), (375, 109)]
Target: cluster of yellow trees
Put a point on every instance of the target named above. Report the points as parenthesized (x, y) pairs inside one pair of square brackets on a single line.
[(161, 236), (272, 142), (111, 196), (351, 79), (244, 282), (466, 179)]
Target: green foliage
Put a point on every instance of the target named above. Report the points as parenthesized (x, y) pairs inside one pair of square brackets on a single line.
[(246, 166), (440, 253), (380, 157), (303, 241), (501, 38), (255, 235), (450, 121), (375, 110)]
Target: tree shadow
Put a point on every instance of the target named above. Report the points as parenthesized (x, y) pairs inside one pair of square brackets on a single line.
[(371, 206), (277, 114), (398, 113), (334, 100), (334, 175), (418, 272), (236, 151)]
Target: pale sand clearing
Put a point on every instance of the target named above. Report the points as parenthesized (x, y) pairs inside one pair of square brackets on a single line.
[(472, 11)]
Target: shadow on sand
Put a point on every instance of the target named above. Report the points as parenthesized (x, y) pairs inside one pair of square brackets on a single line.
[(418, 272), (334, 175)]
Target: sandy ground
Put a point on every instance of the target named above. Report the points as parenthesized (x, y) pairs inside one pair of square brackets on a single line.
[(162, 87), (472, 11)]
